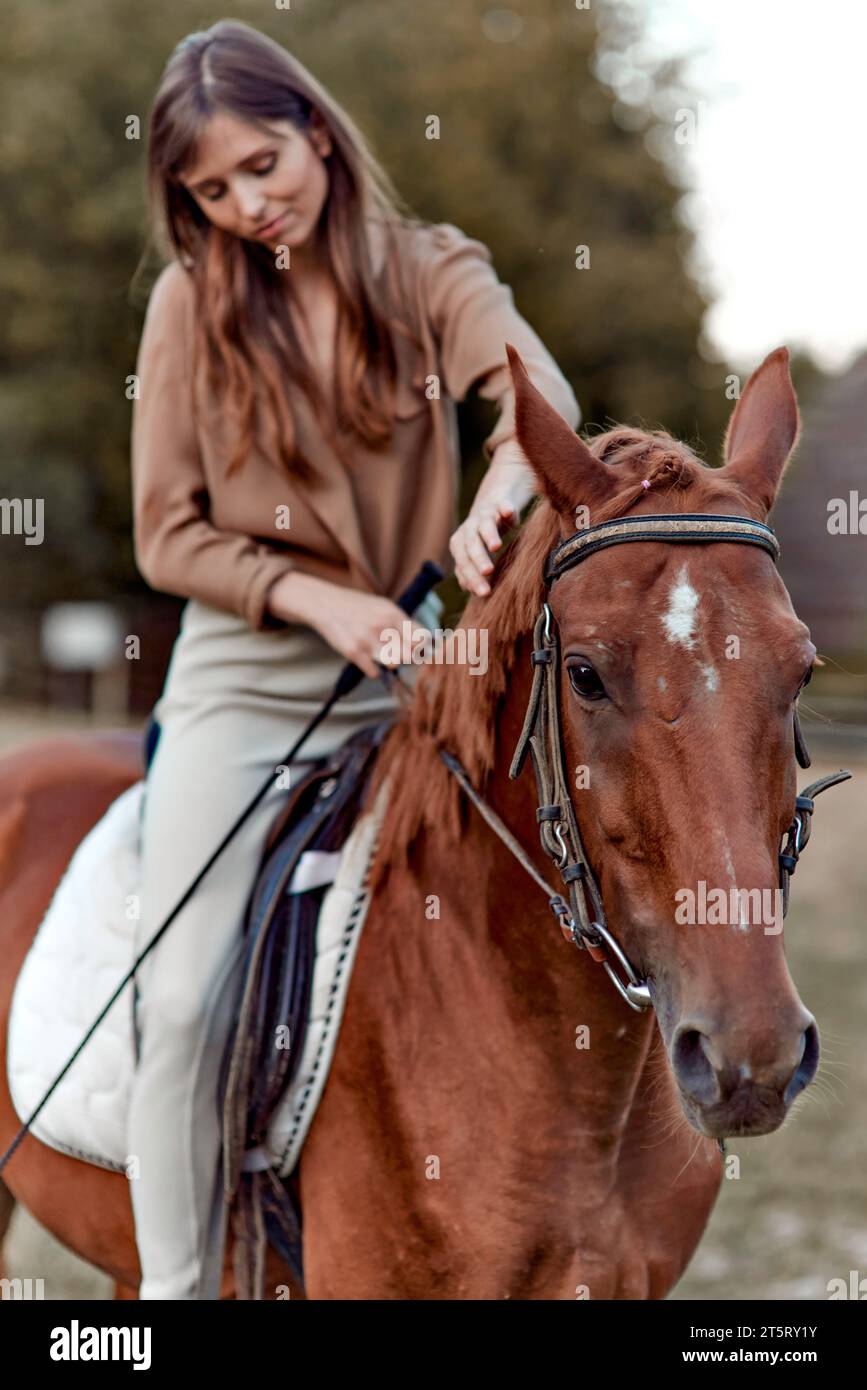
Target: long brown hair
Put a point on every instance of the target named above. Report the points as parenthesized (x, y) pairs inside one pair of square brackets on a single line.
[(244, 330)]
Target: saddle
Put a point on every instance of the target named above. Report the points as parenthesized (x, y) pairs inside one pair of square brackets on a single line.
[(263, 1052)]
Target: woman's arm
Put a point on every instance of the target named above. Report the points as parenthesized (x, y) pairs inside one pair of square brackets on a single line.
[(177, 549), (504, 491), (472, 315)]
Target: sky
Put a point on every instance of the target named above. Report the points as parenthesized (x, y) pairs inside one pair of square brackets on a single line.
[(778, 169)]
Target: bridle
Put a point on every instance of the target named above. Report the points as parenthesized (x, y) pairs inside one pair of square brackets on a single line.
[(580, 914)]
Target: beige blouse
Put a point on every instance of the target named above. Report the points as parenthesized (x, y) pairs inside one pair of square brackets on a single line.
[(223, 541)]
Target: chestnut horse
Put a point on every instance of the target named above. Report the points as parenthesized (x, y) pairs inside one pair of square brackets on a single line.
[(498, 1122)]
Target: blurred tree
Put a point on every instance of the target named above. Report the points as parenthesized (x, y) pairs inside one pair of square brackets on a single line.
[(823, 565), (537, 155)]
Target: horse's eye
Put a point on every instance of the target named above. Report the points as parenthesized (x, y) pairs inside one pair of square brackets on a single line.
[(585, 681), (806, 681)]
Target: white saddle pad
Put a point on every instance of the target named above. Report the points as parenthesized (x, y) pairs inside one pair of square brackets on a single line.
[(82, 951)]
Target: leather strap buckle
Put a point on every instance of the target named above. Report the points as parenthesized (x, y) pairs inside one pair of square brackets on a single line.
[(560, 909)]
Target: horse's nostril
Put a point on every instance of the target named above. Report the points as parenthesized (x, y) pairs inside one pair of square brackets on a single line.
[(695, 1073), (808, 1065), (711, 1079)]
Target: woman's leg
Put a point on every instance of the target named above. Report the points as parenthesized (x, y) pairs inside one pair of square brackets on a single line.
[(207, 767), (211, 758)]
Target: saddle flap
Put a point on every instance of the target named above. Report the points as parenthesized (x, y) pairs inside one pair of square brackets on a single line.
[(291, 807), (301, 859)]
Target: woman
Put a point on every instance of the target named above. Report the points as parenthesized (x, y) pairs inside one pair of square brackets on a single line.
[(294, 462)]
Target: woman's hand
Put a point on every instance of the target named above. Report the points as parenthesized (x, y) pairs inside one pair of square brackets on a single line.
[(505, 490), (350, 620)]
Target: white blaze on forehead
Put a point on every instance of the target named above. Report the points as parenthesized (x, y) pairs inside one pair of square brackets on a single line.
[(679, 618)]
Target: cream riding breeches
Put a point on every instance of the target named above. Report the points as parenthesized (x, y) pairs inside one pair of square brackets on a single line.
[(233, 703)]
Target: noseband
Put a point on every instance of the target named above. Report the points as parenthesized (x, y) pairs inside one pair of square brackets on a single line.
[(582, 918)]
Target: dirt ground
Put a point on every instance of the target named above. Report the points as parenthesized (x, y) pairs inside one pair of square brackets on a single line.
[(797, 1215)]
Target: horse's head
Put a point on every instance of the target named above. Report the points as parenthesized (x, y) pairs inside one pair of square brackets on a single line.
[(681, 669)]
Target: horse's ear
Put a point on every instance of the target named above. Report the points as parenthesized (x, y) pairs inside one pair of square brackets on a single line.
[(569, 474), (763, 430)]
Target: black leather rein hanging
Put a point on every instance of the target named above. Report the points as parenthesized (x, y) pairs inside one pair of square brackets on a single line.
[(580, 914)]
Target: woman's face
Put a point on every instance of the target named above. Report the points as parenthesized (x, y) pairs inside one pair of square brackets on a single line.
[(243, 179)]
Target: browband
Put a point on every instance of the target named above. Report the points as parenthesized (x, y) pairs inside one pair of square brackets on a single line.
[(686, 526)]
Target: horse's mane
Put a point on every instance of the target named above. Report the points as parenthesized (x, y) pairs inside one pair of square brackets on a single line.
[(462, 715)]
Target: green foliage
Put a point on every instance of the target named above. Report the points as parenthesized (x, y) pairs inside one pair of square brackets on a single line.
[(536, 157)]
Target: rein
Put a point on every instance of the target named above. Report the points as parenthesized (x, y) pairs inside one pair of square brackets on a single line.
[(580, 915)]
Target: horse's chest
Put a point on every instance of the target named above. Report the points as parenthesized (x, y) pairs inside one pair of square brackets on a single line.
[(667, 1201)]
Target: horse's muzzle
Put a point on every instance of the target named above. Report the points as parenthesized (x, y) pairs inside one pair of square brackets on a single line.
[(729, 1090)]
